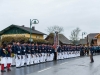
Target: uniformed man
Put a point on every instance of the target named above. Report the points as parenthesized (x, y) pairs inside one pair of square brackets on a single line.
[(40, 53), (70, 51), (28, 53), (52, 53), (66, 48), (48, 54), (32, 54), (73, 51), (82, 51), (76, 51), (67, 51), (91, 54), (63, 55), (96, 49), (0, 55), (79, 50), (23, 49), (58, 53), (9, 56), (3, 57), (64, 51), (18, 55), (14, 52), (45, 53), (37, 53)]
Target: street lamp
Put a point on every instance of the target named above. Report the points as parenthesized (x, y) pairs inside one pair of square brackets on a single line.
[(33, 21), (83, 33)]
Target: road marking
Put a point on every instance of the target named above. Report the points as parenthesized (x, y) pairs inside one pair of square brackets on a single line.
[(63, 63), (44, 70)]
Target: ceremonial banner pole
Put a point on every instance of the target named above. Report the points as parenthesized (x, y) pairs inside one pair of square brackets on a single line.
[(56, 44)]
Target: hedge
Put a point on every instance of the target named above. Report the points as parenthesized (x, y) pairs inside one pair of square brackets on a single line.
[(10, 39)]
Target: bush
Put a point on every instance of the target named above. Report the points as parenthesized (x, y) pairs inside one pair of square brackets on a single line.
[(10, 39)]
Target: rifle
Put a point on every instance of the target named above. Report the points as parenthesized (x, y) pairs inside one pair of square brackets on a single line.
[(18, 57), (31, 55), (21, 57), (26, 55), (36, 55)]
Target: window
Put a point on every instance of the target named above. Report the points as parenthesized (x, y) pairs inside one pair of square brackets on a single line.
[(37, 37)]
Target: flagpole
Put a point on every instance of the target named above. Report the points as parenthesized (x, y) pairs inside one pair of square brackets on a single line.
[(58, 39), (83, 33), (55, 45)]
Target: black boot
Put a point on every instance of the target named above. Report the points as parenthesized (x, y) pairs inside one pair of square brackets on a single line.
[(8, 69), (3, 71)]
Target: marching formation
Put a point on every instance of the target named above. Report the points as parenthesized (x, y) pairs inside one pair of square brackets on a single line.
[(20, 54)]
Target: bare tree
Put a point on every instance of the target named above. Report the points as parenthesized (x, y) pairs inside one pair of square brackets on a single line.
[(75, 35), (52, 29)]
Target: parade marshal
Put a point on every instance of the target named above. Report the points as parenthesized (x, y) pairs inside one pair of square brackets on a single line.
[(91, 54)]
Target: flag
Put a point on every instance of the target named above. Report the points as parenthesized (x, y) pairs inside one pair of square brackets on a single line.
[(56, 41)]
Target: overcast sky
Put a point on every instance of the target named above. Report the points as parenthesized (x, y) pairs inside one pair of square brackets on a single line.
[(69, 14)]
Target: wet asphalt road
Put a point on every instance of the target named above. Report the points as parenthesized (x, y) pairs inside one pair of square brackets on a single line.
[(73, 66)]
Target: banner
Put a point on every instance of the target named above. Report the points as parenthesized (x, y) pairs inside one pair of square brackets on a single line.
[(56, 41)]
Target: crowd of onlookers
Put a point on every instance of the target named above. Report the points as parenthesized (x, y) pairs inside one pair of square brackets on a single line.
[(85, 50)]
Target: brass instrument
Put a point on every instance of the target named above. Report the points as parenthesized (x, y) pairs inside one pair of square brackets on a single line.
[(6, 52), (12, 55)]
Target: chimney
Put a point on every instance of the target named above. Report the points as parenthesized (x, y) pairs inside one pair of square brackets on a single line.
[(33, 28), (23, 26)]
